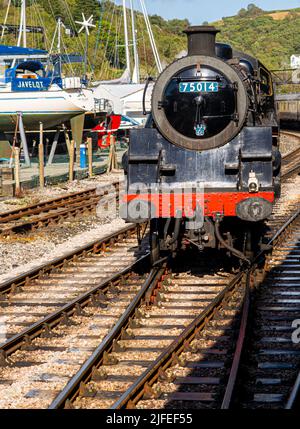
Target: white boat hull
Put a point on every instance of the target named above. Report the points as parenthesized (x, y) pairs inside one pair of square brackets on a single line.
[(51, 107)]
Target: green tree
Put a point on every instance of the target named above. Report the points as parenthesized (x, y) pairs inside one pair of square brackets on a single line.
[(242, 12), (177, 26), (158, 20), (253, 10), (88, 7)]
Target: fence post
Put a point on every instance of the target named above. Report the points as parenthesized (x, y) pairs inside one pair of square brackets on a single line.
[(71, 161), (41, 165), (112, 158), (17, 171), (90, 156)]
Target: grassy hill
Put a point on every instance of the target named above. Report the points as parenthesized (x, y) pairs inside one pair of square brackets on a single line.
[(271, 36)]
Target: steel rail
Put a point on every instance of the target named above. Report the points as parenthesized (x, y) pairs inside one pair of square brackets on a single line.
[(53, 203), (66, 311), (84, 375), (96, 246), (290, 133), (290, 158), (55, 216), (291, 154), (135, 392), (239, 347), (228, 397), (53, 210), (45, 206), (291, 172)]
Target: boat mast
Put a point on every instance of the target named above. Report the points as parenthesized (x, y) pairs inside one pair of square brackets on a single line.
[(126, 38), (22, 28), (59, 25), (151, 37), (24, 24), (136, 71), (5, 19)]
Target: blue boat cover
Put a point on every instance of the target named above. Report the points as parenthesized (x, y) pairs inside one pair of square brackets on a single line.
[(15, 50), (33, 66)]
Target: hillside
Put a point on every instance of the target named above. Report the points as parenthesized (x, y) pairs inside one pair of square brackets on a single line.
[(106, 41), (271, 36)]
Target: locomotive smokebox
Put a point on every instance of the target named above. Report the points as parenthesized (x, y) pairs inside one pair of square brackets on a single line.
[(202, 40)]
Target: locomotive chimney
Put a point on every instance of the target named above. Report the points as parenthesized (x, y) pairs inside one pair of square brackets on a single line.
[(202, 40)]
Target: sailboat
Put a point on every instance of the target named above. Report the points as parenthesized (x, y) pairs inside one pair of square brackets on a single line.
[(126, 93), (33, 92)]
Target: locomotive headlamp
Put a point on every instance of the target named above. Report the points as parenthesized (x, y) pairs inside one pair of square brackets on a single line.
[(253, 184)]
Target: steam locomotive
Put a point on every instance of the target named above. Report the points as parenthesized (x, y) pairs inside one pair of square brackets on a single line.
[(205, 170)]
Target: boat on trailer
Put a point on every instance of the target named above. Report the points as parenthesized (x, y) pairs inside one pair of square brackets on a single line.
[(29, 87)]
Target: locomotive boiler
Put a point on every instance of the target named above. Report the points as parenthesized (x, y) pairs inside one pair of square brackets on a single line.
[(205, 170)]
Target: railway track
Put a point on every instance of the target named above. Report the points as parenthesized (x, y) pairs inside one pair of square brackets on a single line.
[(291, 161), (132, 314), (170, 302), (201, 367), (271, 364), (28, 298), (94, 349), (55, 210), (149, 345)]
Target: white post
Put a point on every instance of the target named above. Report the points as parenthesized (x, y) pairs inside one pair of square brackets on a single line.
[(24, 24), (5, 19), (59, 23), (24, 140), (136, 71), (151, 37), (20, 28), (53, 148), (126, 37)]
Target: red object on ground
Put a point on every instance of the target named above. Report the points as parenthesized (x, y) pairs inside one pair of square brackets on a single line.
[(106, 129)]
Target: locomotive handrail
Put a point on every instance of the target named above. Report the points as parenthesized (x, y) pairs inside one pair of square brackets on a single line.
[(149, 79), (197, 79)]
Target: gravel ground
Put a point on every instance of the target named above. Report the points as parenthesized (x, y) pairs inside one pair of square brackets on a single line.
[(53, 360), (21, 253), (19, 256), (288, 144), (34, 196), (290, 192)]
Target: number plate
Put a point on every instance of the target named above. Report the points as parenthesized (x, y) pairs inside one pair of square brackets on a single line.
[(198, 87)]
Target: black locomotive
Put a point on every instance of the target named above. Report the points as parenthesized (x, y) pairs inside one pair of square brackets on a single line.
[(205, 170)]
